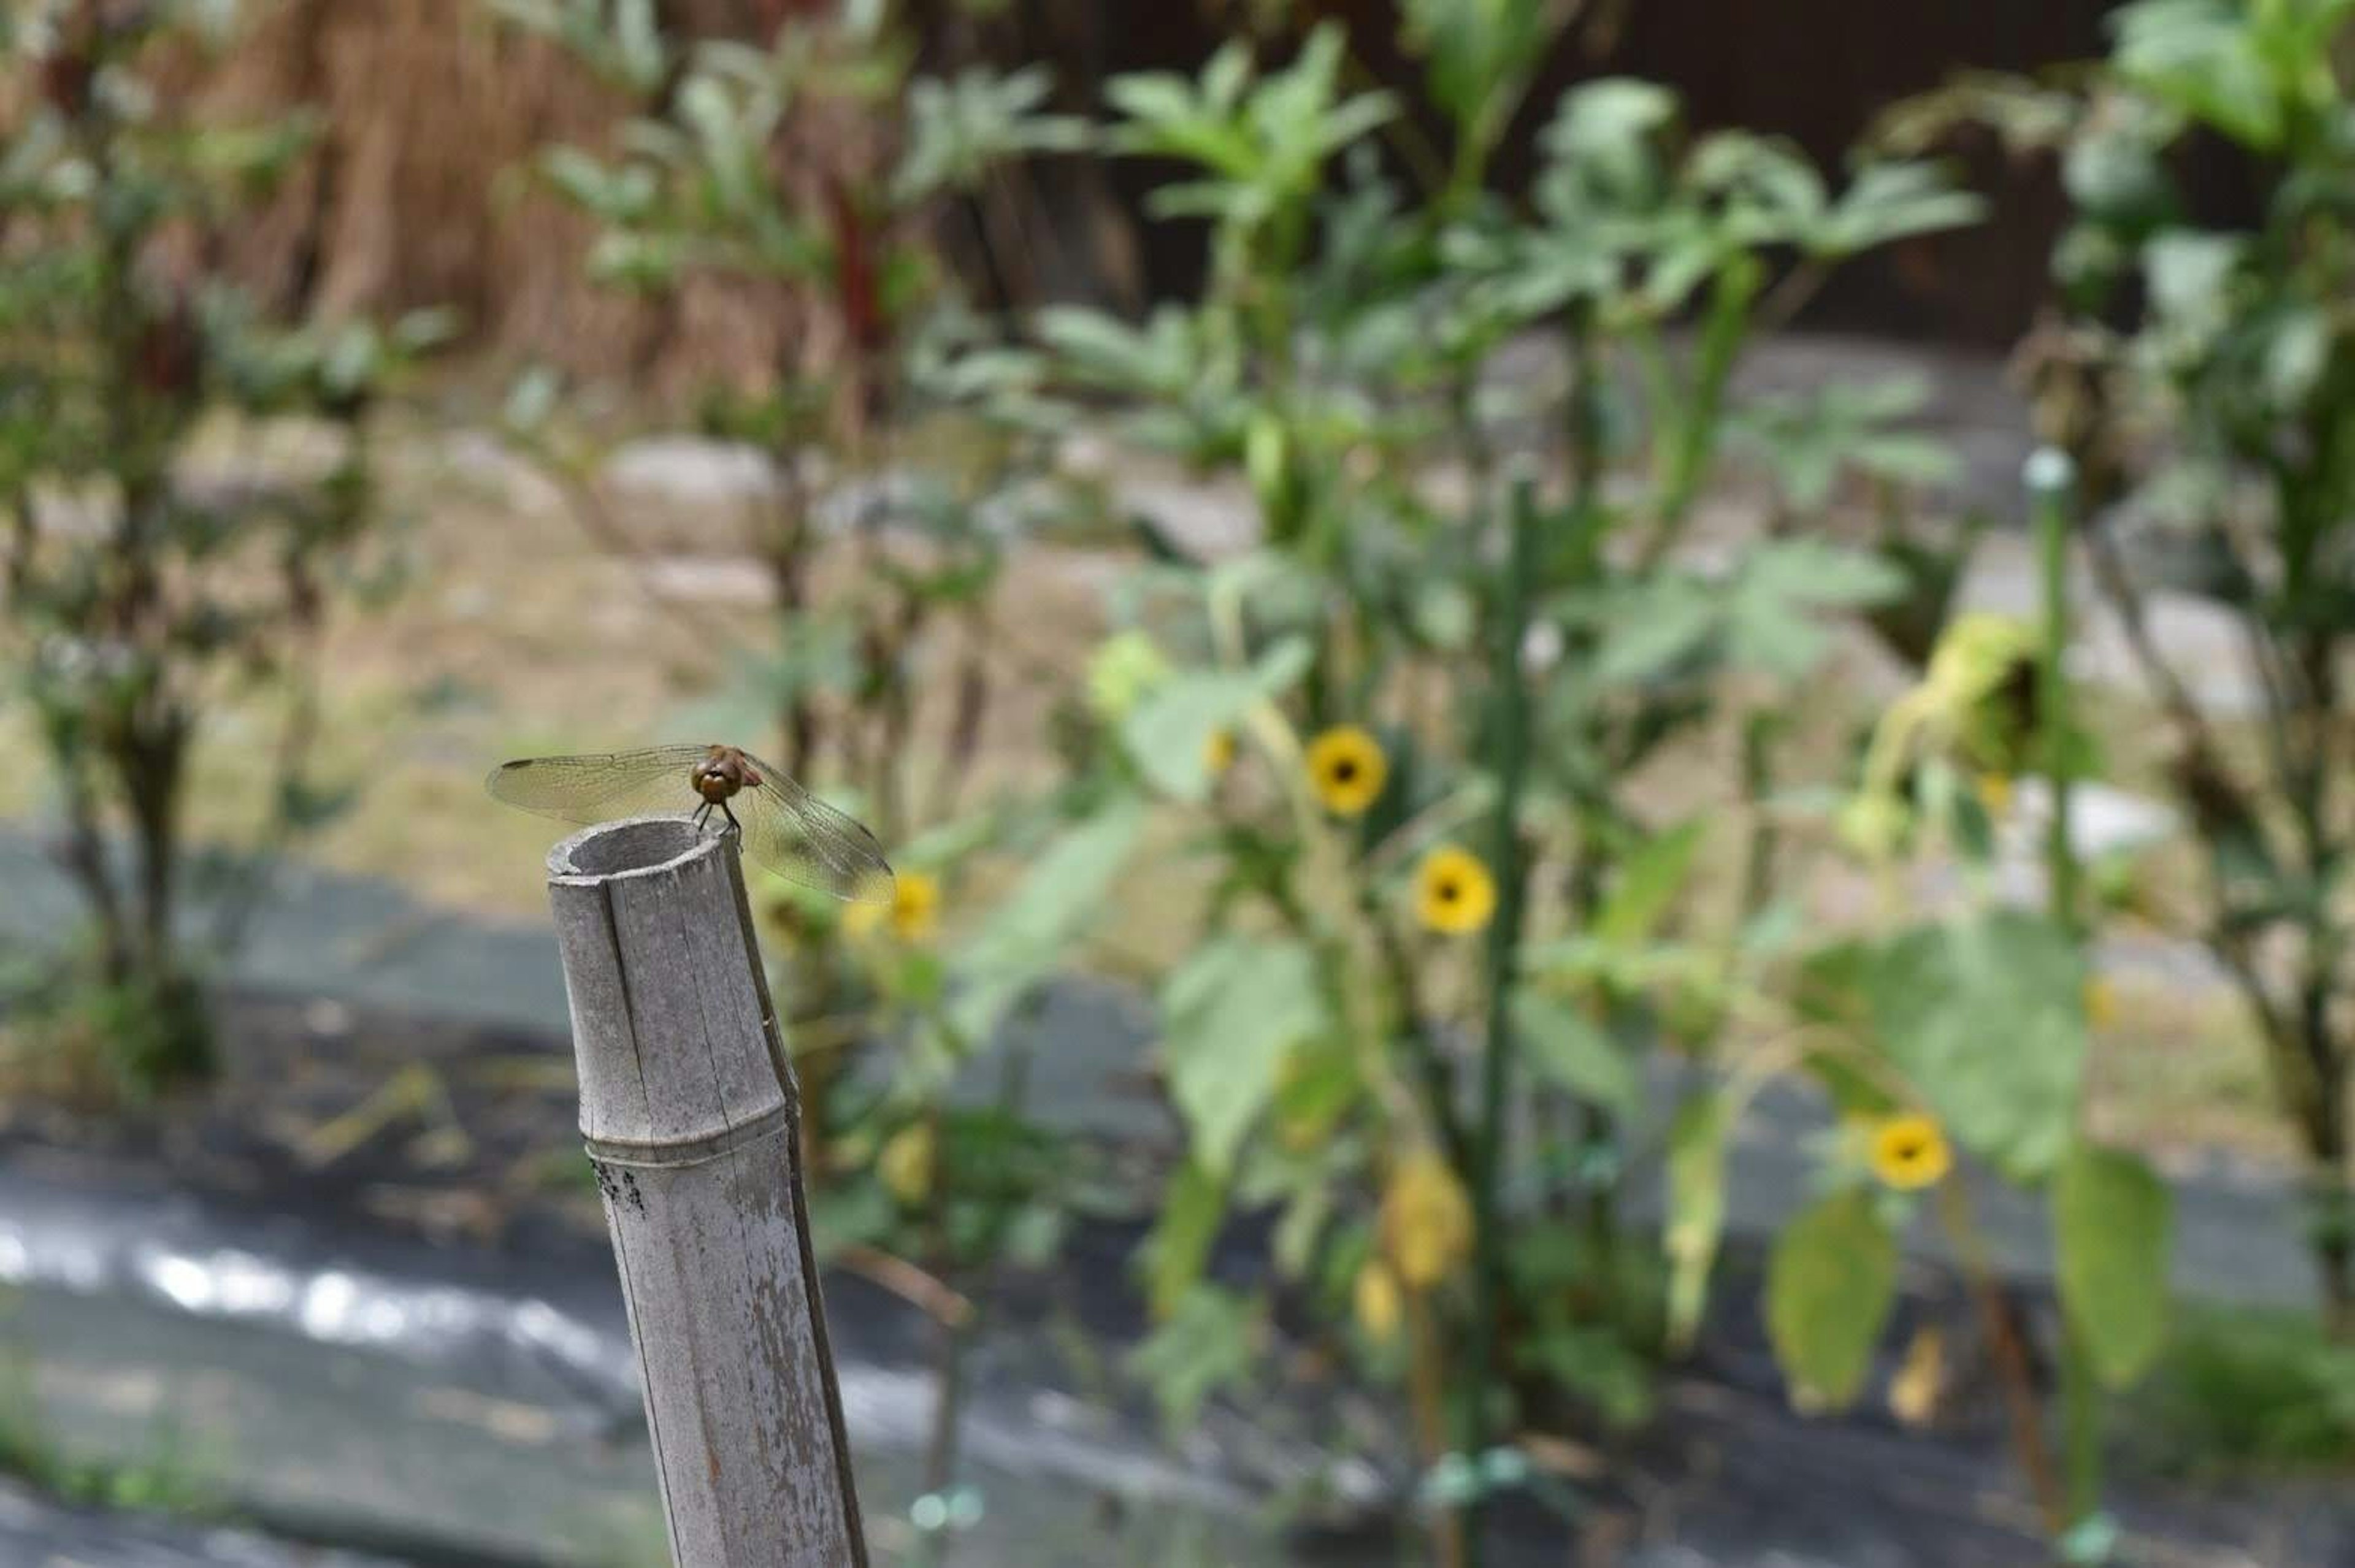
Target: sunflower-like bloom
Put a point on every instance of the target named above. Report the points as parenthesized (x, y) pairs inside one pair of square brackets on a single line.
[(912, 912), (1454, 893), (1349, 770), (1910, 1152)]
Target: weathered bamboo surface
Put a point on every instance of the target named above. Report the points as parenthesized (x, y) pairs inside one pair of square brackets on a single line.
[(689, 1113)]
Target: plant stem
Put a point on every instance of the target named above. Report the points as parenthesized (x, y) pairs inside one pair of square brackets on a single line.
[(2081, 1425), (1511, 739), (959, 1329), (2053, 719), (2012, 1370), (2079, 1394), (1427, 1388)]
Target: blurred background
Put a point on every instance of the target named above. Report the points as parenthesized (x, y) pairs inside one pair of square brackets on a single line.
[(1612, 736)]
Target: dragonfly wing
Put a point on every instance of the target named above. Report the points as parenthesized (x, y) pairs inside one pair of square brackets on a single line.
[(805, 840), (599, 788)]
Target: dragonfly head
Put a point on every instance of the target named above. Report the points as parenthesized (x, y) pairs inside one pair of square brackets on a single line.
[(721, 774)]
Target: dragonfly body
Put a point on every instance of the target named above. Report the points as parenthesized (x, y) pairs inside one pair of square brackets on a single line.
[(782, 825)]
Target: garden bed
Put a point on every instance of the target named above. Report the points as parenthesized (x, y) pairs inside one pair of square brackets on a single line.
[(416, 1346)]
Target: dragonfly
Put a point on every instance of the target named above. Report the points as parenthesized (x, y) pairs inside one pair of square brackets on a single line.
[(776, 821)]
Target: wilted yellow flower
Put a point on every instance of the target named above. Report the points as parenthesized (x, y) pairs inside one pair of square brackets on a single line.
[(1217, 752), (906, 1165), (1349, 769), (1379, 1304), (1976, 655), (1426, 1220), (1910, 1152), (912, 911), (2101, 1003), (1919, 1384), (1453, 893)]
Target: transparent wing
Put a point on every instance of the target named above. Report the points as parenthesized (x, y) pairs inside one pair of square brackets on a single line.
[(805, 840), (588, 790)]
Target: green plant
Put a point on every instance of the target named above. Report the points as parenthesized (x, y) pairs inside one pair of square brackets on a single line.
[(161, 1480), (2204, 381), (2241, 1394), (1405, 733), (905, 450), (1965, 1029), (141, 587), (788, 168)]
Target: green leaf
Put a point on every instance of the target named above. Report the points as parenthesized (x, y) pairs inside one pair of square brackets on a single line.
[(1193, 1205), (1168, 733), (1829, 1285), (1048, 910), (1571, 1050), (2112, 1220), (2202, 58), (1892, 201), (1477, 51), (1230, 1015), (1696, 1218), (1208, 1343), (1653, 627), (1773, 611), (1649, 880), (1985, 1018)]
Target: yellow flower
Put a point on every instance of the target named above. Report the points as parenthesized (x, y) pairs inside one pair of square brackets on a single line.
[(1349, 769), (1426, 1220), (1910, 1152), (906, 1165), (1995, 793), (1217, 752), (2101, 1003), (1453, 893), (1378, 1303), (915, 905), (912, 911)]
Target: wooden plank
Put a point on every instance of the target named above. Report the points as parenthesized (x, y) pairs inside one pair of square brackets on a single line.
[(691, 1118)]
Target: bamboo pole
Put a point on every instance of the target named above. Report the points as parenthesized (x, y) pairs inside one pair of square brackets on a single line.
[(690, 1116)]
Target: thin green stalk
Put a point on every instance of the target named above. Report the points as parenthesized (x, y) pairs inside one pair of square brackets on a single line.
[(1512, 726), (2080, 1428), (2049, 476), (1701, 419), (2054, 718), (958, 1336)]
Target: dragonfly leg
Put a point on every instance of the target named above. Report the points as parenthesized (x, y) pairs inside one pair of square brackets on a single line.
[(731, 819), (701, 812)]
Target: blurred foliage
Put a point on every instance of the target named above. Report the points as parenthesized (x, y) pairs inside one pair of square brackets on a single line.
[(2202, 381), (1406, 730), (143, 584), (2247, 1393), (1487, 748), (903, 441), (167, 1476)]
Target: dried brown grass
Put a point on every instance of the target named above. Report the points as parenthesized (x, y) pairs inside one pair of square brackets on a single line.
[(420, 191)]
